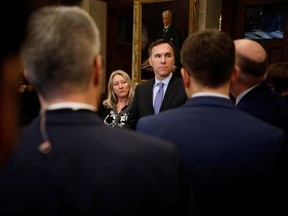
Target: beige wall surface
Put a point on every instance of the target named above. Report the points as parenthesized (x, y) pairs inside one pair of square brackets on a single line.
[(98, 11), (209, 13)]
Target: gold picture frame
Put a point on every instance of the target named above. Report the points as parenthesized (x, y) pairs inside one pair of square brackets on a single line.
[(187, 16)]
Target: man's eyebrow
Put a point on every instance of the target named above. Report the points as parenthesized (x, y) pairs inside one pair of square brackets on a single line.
[(163, 53)]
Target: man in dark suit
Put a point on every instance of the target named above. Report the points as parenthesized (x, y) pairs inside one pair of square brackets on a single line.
[(171, 33), (233, 160), (252, 93), (162, 59), (69, 162)]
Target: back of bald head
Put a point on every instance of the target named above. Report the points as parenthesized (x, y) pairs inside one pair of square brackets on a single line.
[(251, 58)]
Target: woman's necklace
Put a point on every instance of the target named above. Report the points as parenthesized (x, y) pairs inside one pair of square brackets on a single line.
[(118, 105), (121, 106)]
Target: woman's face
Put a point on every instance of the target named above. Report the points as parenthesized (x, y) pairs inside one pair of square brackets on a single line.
[(120, 86)]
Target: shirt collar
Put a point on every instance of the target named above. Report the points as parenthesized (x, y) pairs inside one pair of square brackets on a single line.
[(71, 105), (166, 27), (244, 93), (165, 81), (201, 94)]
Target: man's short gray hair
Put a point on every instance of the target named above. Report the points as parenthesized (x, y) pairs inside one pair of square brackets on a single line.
[(167, 12), (60, 49)]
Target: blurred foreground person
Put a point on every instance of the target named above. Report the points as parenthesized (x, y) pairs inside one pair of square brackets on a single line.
[(13, 20), (233, 160), (69, 162)]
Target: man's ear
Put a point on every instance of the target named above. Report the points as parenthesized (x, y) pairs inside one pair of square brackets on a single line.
[(185, 77), (25, 73), (149, 60), (97, 68), (235, 75)]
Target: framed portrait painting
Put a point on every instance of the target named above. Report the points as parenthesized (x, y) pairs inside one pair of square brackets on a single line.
[(147, 24)]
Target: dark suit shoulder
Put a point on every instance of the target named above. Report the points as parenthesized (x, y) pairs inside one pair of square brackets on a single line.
[(176, 80), (145, 84), (267, 105), (174, 29), (176, 87)]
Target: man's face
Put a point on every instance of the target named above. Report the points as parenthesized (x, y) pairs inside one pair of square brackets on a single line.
[(162, 60), (166, 20)]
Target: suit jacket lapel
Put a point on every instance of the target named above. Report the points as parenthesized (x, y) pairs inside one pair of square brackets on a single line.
[(171, 92), (149, 97)]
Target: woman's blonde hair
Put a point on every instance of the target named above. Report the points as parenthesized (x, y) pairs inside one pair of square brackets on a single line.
[(111, 97)]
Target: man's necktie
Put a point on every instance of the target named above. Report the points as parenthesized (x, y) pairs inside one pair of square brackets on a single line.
[(158, 98), (165, 31)]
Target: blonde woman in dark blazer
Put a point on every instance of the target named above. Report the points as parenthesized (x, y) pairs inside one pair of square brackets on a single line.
[(115, 109)]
